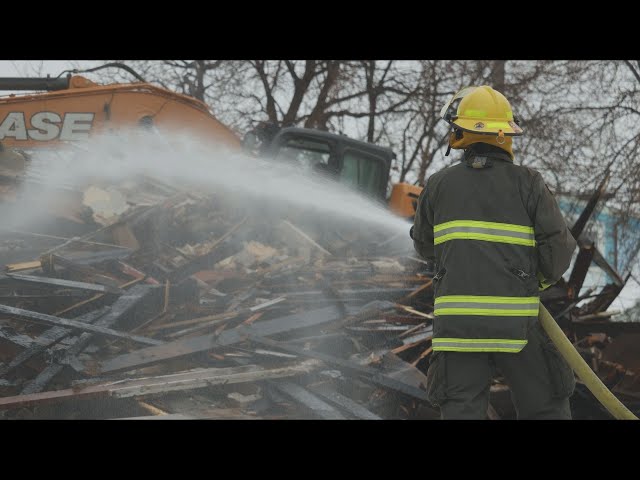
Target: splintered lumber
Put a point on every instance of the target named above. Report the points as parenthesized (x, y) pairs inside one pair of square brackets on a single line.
[(418, 291), (123, 236), (300, 394), (57, 282), (595, 316), (125, 307), (152, 408), (416, 312), (367, 311), (211, 320), (192, 266), (74, 324), (19, 267), (190, 380), (305, 237), (371, 374), (179, 348), (47, 339)]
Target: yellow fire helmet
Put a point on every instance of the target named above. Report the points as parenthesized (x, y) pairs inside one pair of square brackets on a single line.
[(481, 110)]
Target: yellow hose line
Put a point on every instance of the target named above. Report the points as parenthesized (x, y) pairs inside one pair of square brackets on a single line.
[(584, 372)]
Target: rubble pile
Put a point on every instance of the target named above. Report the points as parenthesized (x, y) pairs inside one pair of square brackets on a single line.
[(173, 304)]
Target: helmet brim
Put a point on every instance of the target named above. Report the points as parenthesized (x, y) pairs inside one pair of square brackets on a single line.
[(490, 127)]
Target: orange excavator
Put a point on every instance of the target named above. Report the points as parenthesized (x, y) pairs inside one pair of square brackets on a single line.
[(72, 108)]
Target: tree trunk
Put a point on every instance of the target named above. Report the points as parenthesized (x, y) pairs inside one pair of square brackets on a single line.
[(498, 75)]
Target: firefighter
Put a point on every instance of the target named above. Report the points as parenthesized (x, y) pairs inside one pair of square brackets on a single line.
[(498, 238)]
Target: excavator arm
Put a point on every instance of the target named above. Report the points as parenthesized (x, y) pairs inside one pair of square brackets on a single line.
[(75, 108)]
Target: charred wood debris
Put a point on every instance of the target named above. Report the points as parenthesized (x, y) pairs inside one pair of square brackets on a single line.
[(188, 306)]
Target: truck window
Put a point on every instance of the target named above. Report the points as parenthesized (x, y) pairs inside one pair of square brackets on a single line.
[(362, 171), (307, 153)]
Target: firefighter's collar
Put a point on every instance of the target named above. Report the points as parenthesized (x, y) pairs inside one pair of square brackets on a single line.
[(482, 156), (478, 161)]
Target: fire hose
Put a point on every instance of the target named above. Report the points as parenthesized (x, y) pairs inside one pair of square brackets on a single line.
[(582, 370)]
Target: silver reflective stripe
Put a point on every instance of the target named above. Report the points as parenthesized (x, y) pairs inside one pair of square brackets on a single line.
[(477, 305), (486, 231)]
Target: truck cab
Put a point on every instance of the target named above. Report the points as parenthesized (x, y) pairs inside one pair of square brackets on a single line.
[(357, 164)]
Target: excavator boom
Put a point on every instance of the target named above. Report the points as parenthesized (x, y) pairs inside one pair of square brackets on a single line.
[(43, 120)]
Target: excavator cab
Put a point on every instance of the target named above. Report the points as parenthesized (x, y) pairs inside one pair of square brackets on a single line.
[(360, 165)]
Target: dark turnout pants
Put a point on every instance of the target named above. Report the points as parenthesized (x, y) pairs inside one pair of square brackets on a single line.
[(540, 380)]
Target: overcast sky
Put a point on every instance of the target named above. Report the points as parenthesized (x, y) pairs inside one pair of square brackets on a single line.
[(40, 68)]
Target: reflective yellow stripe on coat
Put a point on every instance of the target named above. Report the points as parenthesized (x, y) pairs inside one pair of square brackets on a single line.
[(483, 305), (485, 231)]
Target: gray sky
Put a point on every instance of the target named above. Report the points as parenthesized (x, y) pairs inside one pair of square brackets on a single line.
[(40, 68)]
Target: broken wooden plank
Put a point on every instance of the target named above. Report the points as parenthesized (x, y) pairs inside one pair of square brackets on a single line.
[(193, 265), (366, 311), (194, 379), (54, 296), (20, 340), (135, 273), (123, 236), (49, 262), (74, 324), (410, 345), (266, 304), (139, 297), (179, 348), (416, 312), (213, 320), (92, 299), (316, 405), (209, 319), (55, 237), (596, 316), (350, 406), (422, 356), (46, 340), (368, 373), (168, 416), (57, 282), (417, 291), (306, 237), (356, 292), (19, 267)]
